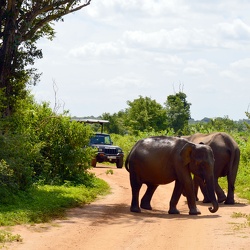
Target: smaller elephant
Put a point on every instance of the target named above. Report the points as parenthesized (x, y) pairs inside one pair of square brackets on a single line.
[(160, 160), (227, 155)]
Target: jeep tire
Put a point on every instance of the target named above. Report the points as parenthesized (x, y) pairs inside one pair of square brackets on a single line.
[(119, 163), (93, 163)]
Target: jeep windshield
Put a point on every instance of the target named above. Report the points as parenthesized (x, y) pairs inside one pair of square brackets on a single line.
[(101, 139)]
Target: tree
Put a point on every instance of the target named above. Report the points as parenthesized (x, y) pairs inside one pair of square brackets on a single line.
[(178, 112), (145, 114), (116, 122), (22, 24)]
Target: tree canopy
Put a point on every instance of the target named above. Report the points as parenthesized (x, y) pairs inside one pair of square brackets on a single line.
[(145, 114), (22, 24), (178, 111)]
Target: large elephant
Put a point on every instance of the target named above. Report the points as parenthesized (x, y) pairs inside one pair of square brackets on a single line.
[(161, 160), (227, 156)]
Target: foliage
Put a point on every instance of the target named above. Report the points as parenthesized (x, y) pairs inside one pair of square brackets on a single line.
[(16, 153), (178, 112), (6, 236), (116, 123), (145, 114), (142, 115), (63, 145), (22, 24), (38, 145), (43, 203), (217, 124)]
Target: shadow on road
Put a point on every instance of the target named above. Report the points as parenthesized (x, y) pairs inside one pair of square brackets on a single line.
[(110, 214), (237, 204)]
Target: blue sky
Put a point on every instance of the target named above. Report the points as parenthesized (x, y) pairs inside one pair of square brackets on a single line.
[(116, 50)]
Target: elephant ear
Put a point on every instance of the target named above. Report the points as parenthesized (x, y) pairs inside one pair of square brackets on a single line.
[(186, 153)]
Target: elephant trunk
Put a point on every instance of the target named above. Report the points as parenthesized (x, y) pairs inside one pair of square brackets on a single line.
[(212, 197)]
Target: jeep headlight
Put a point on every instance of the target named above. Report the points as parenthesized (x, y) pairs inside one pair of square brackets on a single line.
[(100, 149), (119, 150)]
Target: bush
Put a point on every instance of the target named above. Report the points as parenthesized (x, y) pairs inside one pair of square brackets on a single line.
[(17, 155), (65, 146), (38, 145)]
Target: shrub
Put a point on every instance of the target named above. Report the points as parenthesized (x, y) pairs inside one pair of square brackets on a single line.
[(38, 145)]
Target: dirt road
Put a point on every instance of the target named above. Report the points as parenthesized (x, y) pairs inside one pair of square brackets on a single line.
[(108, 224)]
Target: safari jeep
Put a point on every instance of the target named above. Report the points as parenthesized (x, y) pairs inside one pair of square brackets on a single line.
[(106, 151)]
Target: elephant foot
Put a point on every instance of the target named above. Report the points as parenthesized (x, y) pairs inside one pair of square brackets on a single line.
[(229, 202), (146, 206), (135, 209), (173, 211), (222, 199), (194, 211)]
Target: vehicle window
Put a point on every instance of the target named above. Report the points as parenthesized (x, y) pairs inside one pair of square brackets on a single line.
[(100, 139), (107, 140), (97, 140)]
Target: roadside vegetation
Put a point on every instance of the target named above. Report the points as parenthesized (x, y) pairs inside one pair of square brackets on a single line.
[(44, 156)]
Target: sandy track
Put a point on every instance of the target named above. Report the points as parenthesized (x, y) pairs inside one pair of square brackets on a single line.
[(108, 224)]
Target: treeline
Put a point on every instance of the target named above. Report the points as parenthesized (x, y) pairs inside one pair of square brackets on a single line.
[(174, 117), (145, 115)]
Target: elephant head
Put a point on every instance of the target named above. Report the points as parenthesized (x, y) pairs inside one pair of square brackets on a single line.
[(200, 160)]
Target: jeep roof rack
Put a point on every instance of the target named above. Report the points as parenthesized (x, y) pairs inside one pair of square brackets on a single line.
[(86, 120)]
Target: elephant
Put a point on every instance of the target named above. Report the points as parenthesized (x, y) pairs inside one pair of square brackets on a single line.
[(160, 160), (227, 157)]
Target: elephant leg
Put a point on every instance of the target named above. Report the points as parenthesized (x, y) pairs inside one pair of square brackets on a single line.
[(178, 188), (219, 192), (204, 191), (193, 210), (146, 199), (189, 191), (198, 182), (196, 188), (230, 194), (135, 186), (231, 177)]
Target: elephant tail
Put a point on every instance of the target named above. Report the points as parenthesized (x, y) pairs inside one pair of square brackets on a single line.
[(233, 167), (234, 161), (128, 157), (126, 163)]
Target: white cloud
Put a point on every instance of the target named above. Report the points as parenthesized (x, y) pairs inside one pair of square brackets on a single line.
[(169, 59), (241, 64), (136, 7), (237, 29), (202, 63), (231, 75), (121, 83), (177, 39), (194, 71), (94, 49), (199, 67)]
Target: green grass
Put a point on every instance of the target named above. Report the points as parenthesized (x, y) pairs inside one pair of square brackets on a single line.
[(44, 203), (244, 224), (242, 184), (6, 236)]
